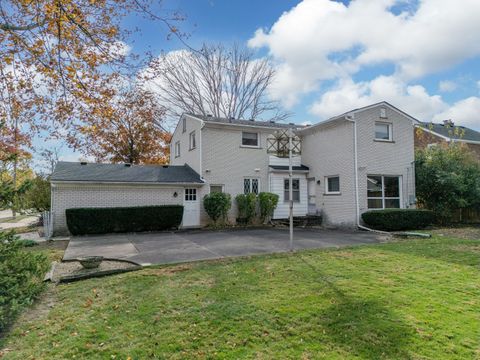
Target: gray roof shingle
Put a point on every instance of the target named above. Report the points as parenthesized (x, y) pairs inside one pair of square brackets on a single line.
[(453, 132), (76, 171), (269, 124)]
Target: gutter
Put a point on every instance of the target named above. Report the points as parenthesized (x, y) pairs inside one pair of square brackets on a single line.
[(171, 184), (351, 118)]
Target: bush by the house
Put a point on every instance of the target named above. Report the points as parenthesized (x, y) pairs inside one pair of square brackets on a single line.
[(447, 179), (21, 276), (246, 207), (217, 205), (267, 203), (398, 219), (84, 221)]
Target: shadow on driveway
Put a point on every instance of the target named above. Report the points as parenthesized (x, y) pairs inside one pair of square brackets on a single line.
[(175, 247)]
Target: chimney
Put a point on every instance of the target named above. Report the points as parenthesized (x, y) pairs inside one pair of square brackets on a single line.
[(448, 123)]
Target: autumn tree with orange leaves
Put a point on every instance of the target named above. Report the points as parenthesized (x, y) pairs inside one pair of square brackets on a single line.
[(131, 133), (58, 59)]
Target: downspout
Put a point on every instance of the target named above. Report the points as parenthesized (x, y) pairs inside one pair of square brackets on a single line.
[(200, 149), (355, 161)]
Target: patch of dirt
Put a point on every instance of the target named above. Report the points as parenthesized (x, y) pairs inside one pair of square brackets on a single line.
[(167, 271), (468, 233), (72, 268)]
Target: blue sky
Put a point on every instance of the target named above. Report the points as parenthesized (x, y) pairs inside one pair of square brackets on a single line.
[(423, 56)]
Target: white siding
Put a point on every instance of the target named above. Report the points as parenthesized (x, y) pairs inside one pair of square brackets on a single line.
[(275, 160), (328, 152), (108, 195), (187, 156), (276, 186)]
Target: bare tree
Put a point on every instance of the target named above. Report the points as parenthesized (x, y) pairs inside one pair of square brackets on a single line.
[(217, 81)]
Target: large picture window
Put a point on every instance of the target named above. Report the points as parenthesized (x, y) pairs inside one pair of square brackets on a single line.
[(295, 190), (250, 186), (383, 192), (249, 139)]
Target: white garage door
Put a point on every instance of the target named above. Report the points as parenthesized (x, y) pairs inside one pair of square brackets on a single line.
[(191, 211)]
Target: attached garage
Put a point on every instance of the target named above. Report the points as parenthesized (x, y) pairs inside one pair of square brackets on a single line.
[(91, 185)]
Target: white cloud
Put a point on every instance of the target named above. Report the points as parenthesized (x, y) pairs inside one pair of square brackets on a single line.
[(447, 86), (465, 112), (322, 39), (347, 95)]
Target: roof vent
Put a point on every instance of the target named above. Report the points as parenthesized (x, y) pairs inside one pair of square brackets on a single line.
[(83, 163), (128, 165), (209, 115), (448, 122), (252, 119), (291, 123), (272, 121), (165, 166)]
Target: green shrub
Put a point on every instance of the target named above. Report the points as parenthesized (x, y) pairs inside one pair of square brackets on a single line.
[(82, 221), (267, 203), (398, 219), (21, 276), (27, 242), (246, 207), (217, 205)]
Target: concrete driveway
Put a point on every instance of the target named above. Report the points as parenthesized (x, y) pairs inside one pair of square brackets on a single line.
[(175, 247)]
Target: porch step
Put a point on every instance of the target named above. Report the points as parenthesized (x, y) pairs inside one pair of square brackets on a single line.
[(301, 221)]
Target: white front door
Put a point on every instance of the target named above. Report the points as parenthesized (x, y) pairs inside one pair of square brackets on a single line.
[(191, 208)]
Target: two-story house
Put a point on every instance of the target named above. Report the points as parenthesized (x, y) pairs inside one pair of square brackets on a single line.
[(359, 160)]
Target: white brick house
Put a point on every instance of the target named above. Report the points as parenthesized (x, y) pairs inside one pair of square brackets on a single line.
[(359, 160)]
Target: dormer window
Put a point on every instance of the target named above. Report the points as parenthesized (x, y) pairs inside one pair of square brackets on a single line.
[(249, 139), (383, 131)]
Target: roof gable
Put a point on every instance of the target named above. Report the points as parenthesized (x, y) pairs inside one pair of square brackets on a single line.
[(452, 132)]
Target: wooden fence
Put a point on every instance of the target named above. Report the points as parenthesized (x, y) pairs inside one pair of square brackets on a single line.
[(467, 216)]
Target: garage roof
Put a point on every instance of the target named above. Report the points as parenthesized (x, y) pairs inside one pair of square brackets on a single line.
[(121, 173)]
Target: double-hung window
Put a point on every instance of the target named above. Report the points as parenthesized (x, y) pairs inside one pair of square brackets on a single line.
[(184, 125), (332, 185), (295, 190), (383, 192), (250, 185), (249, 139), (383, 131), (192, 141), (177, 149)]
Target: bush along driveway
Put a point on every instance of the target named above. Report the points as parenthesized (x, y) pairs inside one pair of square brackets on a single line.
[(174, 247), (414, 299)]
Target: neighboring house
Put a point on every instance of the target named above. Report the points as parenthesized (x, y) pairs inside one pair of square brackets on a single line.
[(77, 185), (231, 156), (428, 134), (360, 160)]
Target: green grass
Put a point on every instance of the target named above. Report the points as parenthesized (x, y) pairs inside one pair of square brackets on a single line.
[(412, 299)]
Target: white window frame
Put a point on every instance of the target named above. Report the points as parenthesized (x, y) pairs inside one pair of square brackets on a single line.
[(190, 194), (250, 146), (383, 198), (390, 131), (177, 149), (192, 140), (250, 185), (327, 190), (184, 125), (286, 191)]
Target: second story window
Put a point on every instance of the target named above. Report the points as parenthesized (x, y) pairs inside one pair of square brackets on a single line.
[(249, 139), (184, 125), (192, 141), (177, 149), (383, 131)]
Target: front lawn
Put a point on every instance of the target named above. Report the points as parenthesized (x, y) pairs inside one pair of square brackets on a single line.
[(412, 299)]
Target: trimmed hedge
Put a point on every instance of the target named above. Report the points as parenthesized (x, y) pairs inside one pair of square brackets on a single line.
[(398, 219), (82, 221)]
